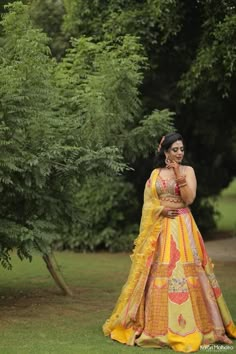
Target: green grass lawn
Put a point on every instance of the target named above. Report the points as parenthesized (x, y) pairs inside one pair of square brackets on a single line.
[(36, 319), (226, 205)]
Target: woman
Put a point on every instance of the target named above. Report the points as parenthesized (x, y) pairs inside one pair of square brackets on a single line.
[(171, 297)]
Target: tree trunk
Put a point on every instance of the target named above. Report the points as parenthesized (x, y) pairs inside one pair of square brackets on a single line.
[(53, 269)]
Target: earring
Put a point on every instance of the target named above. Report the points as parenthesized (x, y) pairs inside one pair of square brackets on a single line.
[(167, 161)]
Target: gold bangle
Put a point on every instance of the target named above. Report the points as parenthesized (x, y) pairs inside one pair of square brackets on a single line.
[(182, 185), (181, 179)]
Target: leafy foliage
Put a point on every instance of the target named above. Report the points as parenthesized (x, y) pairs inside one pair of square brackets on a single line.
[(60, 125), (104, 222), (215, 61), (26, 101), (191, 56), (40, 167), (110, 77), (48, 15), (154, 21), (109, 113)]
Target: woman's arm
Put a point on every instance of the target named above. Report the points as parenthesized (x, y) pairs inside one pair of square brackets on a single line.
[(187, 185), (187, 182)]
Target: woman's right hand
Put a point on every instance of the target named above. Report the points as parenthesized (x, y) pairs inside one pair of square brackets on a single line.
[(169, 213)]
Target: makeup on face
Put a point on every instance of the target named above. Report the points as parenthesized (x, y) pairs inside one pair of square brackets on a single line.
[(176, 151)]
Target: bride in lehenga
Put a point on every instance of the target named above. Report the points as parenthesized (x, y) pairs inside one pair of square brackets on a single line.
[(172, 297)]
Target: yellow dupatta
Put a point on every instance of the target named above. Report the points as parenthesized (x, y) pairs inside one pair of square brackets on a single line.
[(125, 311)]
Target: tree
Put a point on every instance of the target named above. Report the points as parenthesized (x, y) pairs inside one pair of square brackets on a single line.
[(48, 16), (191, 55), (109, 113), (40, 169), (59, 124)]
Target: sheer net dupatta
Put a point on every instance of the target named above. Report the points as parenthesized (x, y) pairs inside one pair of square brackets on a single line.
[(126, 321)]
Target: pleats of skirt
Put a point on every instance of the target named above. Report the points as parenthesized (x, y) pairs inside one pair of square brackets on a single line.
[(182, 306)]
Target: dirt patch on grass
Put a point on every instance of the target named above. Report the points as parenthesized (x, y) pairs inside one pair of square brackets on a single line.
[(219, 235), (222, 250), (40, 304)]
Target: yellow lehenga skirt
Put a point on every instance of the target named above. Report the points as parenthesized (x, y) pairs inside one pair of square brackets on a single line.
[(171, 297), (176, 301)]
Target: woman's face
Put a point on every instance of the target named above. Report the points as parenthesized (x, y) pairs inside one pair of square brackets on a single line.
[(176, 152)]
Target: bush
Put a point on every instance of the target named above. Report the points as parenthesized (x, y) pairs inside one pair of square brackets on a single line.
[(105, 205)]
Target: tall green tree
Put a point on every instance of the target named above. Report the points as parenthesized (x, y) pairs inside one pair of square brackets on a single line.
[(191, 54), (109, 113), (62, 126), (40, 167)]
